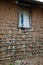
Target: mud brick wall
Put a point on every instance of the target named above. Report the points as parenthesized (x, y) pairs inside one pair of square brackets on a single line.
[(9, 22)]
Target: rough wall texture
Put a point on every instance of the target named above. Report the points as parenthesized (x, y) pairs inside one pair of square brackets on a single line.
[(32, 38)]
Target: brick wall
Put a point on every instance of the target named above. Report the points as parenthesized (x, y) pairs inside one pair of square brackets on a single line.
[(33, 37)]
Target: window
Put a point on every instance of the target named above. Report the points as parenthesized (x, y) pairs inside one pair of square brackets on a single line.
[(24, 18)]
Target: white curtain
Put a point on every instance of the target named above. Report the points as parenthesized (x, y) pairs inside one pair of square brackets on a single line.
[(25, 21)]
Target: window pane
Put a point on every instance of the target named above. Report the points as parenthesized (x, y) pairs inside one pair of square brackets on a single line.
[(24, 19)]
